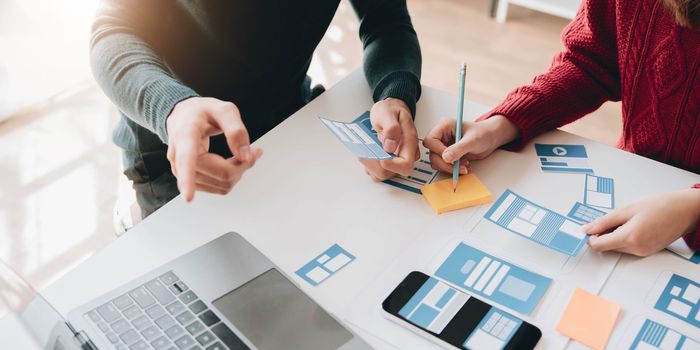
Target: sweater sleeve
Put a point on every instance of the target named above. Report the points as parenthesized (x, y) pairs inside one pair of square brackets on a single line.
[(693, 239), (129, 71), (392, 57), (581, 77)]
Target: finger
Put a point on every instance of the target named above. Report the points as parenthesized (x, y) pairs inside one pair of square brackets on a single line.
[(211, 189), (376, 171), (387, 125), (611, 241), (408, 148), (397, 165), (437, 138), (608, 222), (215, 166), (228, 119), (459, 150), (186, 162), (255, 154), (222, 185)]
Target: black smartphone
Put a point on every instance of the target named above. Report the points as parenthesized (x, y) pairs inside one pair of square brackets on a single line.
[(425, 304)]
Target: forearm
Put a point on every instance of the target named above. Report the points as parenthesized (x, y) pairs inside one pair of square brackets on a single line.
[(692, 236), (392, 57), (580, 79), (130, 72)]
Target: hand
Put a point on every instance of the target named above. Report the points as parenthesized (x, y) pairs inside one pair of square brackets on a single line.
[(189, 127), (647, 226), (393, 122), (478, 141)]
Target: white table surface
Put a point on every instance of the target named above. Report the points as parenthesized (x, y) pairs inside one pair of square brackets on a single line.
[(308, 192)]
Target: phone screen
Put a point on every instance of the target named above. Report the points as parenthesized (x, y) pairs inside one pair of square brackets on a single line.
[(456, 317)]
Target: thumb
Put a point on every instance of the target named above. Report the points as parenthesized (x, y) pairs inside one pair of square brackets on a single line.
[(458, 150), (229, 122), (388, 126)]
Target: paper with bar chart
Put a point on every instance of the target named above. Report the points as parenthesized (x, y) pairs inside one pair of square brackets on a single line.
[(536, 223)]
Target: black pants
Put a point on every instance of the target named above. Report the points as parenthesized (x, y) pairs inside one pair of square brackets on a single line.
[(155, 184)]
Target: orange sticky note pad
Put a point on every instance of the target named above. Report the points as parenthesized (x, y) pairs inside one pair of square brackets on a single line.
[(589, 319), (470, 192)]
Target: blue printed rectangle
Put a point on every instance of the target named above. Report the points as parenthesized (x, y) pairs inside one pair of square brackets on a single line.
[(494, 331), (681, 248), (681, 299), (536, 223), (585, 214), (563, 158), (599, 192), (654, 335), (358, 137), (493, 278), (325, 265), (422, 174)]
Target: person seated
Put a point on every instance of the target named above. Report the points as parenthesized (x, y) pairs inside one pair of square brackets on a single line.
[(645, 53)]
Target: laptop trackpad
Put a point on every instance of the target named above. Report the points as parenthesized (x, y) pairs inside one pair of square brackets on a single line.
[(274, 314)]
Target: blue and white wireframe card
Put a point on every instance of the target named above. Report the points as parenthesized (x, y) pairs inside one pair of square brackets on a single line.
[(422, 174), (493, 278), (563, 158), (358, 137), (536, 223), (680, 248), (599, 192), (654, 335), (681, 299), (325, 265), (584, 214)]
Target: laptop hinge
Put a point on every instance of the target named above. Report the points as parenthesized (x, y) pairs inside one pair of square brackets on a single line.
[(82, 339)]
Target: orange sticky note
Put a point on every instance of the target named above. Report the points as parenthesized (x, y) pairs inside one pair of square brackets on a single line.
[(470, 192), (589, 319)]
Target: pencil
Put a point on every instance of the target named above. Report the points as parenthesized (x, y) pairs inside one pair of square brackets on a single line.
[(458, 133)]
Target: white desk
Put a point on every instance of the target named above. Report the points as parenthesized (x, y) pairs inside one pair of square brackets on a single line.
[(308, 192)]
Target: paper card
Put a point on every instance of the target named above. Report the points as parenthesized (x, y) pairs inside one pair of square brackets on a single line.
[(495, 279), (584, 214), (563, 158), (589, 319), (680, 248), (600, 192), (654, 335), (325, 265), (358, 137), (681, 299), (470, 192), (422, 173), (536, 223)]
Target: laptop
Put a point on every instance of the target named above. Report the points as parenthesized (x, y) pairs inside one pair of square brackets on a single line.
[(222, 295)]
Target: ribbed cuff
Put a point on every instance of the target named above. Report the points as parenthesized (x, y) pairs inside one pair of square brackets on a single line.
[(403, 85), (159, 99), (525, 113), (693, 239)]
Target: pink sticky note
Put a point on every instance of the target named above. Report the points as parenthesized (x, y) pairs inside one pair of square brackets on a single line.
[(589, 319)]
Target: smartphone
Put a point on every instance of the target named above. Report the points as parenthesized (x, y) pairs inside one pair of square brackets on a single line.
[(427, 305)]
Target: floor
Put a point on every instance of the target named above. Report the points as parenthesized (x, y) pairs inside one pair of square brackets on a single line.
[(61, 173)]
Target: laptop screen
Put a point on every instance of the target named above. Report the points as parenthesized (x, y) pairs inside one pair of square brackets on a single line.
[(274, 314)]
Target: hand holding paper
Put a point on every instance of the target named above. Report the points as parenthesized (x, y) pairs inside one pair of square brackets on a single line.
[(646, 226), (393, 123)]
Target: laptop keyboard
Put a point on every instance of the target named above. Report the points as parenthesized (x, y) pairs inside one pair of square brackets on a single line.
[(163, 313)]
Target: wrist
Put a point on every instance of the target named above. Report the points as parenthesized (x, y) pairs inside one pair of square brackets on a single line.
[(693, 199), (397, 103), (502, 129)]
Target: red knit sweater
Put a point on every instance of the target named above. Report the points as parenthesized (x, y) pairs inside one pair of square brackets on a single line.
[(629, 50)]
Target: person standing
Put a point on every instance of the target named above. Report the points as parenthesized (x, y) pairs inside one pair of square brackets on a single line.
[(197, 81)]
